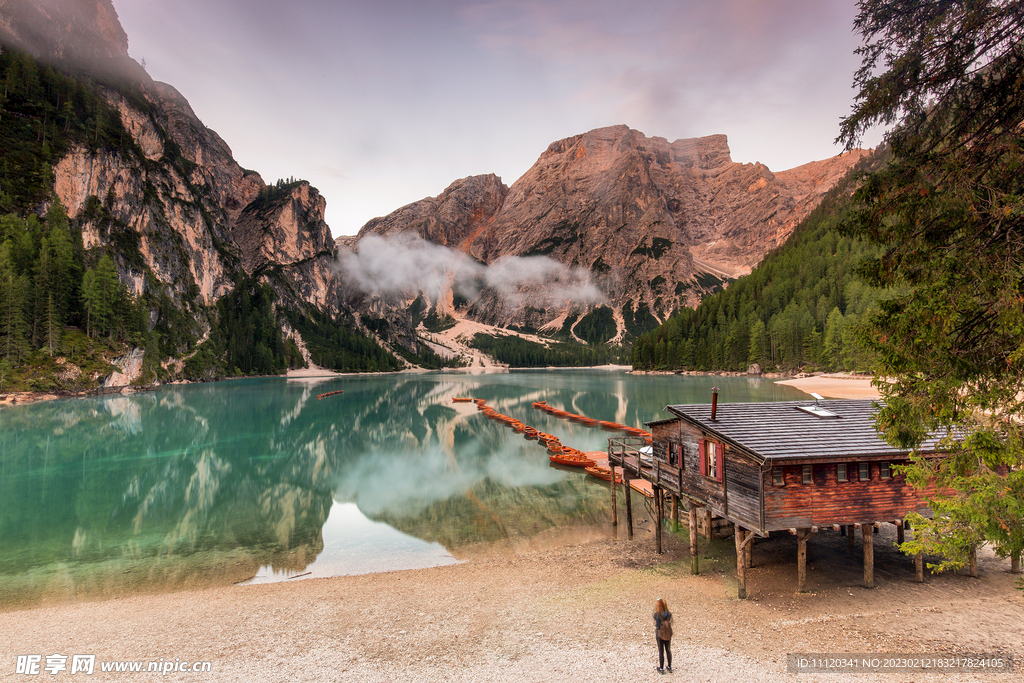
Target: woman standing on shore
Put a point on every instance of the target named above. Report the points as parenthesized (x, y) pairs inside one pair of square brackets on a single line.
[(663, 634)]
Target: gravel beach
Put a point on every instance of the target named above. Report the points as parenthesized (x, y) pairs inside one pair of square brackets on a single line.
[(551, 609)]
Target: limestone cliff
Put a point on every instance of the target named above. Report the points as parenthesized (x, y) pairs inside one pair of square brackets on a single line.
[(181, 218), (454, 219)]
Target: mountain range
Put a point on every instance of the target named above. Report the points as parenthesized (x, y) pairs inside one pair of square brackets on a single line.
[(608, 220)]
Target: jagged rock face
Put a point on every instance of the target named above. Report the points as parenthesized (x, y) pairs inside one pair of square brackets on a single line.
[(453, 219), (188, 212), (289, 233), (650, 219), (289, 230)]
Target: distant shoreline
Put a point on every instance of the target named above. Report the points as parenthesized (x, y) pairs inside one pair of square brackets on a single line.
[(832, 385)]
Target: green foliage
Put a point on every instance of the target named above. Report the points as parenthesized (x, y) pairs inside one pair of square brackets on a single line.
[(100, 294), (521, 353), (426, 358), (43, 112), (249, 331), (272, 195), (596, 327), (782, 313), (438, 323), (565, 333), (335, 344), (638, 322), (948, 217)]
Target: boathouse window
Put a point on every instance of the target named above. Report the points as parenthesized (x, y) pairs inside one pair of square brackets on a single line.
[(711, 459), (865, 473), (807, 475), (777, 478), (883, 470), (841, 473)]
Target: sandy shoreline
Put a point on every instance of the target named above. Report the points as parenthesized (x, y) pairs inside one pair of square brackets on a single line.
[(563, 611), (835, 386)]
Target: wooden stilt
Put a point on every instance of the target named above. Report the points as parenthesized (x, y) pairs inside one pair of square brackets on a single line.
[(899, 532), (675, 510), (629, 504), (867, 533), (973, 560), (851, 540), (659, 513), (801, 559), (707, 521), (615, 509), (750, 550), (741, 564), (1015, 563), (919, 567), (694, 568)]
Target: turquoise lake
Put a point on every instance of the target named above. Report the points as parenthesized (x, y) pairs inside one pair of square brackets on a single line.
[(257, 480)]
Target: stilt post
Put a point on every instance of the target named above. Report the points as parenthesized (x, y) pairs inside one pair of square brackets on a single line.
[(1015, 563), (694, 564), (629, 502), (919, 567), (801, 559), (749, 555), (973, 559), (867, 534), (899, 532), (659, 513), (615, 509), (741, 564), (851, 540)]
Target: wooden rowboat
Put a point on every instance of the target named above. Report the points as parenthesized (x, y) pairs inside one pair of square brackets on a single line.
[(571, 460), (462, 400), (603, 473)]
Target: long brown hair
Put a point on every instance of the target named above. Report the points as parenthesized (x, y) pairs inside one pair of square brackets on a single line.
[(660, 605)]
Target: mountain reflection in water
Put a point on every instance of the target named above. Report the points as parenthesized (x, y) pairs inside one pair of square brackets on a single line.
[(229, 482)]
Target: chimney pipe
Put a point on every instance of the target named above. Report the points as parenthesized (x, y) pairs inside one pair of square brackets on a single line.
[(714, 402)]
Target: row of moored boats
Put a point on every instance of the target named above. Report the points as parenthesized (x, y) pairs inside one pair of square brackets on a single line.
[(558, 452)]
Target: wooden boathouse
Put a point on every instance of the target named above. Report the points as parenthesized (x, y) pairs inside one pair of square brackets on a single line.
[(792, 467)]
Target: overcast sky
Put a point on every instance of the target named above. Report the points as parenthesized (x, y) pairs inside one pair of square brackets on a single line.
[(380, 103)]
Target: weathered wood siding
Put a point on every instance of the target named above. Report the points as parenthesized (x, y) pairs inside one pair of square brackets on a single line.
[(742, 479), (737, 497), (827, 501)]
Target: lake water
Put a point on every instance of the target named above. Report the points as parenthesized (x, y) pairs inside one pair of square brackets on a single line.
[(258, 480)]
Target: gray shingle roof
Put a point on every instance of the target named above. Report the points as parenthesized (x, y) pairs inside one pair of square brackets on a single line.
[(781, 430)]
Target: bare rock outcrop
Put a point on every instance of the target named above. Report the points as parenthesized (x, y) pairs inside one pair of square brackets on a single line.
[(453, 219), (658, 224)]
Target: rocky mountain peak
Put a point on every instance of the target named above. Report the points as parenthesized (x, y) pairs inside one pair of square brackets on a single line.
[(453, 219), (657, 224)]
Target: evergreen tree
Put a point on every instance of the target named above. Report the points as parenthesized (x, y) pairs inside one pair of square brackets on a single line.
[(12, 318), (948, 214)]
